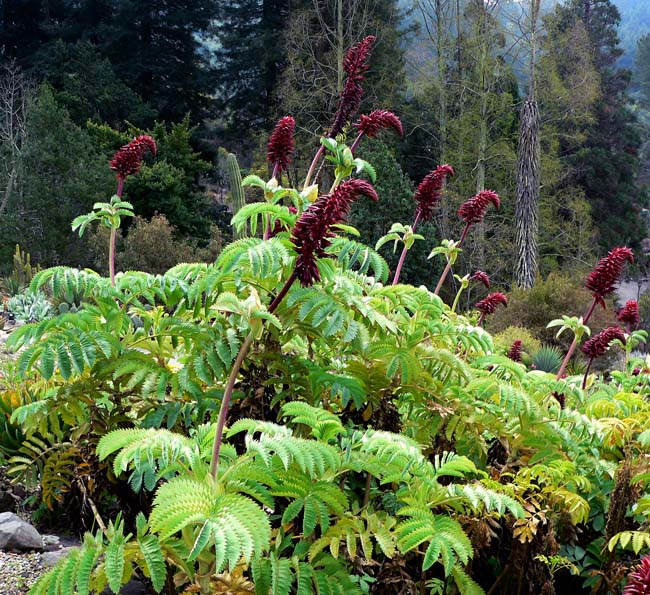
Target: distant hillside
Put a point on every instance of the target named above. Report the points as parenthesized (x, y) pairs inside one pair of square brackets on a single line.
[(635, 22)]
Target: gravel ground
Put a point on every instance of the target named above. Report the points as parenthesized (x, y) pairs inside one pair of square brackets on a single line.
[(18, 572)]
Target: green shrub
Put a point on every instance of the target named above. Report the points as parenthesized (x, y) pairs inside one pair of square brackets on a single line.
[(152, 245), (548, 299), (508, 336)]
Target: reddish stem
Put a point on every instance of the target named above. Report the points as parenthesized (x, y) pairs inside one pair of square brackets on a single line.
[(574, 344), (584, 380), (402, 257), (313, 165), (482, 319), (448, 266), (356, 142), (232, 378), (111, 245), (267, 218)]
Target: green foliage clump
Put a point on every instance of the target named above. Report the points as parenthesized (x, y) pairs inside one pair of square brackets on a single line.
[(509, 335), (168, 185), (547, 300), (547, 359), (153, 246)]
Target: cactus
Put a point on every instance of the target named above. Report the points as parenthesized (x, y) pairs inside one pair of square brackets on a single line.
[(22, 274), (23, 269), (236, 190)]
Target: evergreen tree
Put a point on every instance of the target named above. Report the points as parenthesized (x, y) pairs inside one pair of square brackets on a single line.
[(156, 49), (250, 55), (643, 66), (606, 164), (63, 175)]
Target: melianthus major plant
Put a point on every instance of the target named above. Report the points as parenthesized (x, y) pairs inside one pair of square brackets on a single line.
[(300, 426)]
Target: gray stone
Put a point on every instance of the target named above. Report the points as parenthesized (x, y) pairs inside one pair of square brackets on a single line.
[(49, 559), (16, 534), (51, 540)]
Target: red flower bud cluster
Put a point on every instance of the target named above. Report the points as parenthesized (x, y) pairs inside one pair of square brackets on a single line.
[(312, 232), (482, 277), (629, 313), (473, 210), (638, 582), (515, 351), (598, 344), (355, 66), (128, 159), (281, 144), (489, 304), (376, 121), (606, 274), (429, 191)]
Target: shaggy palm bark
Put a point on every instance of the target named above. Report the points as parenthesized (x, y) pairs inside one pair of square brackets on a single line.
[(527, 202)]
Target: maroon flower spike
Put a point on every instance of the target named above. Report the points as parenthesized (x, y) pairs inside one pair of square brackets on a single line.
[(355, 66), (603, 279), (489, 304), (638, 582), (128, 159), (312, 232), (482, 277), (281, 144), (473, 210), (376, 121), (598, 344), (629, 314), (429, 191), (515, 351)]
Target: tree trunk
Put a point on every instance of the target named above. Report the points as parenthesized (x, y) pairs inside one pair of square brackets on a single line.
[(527, 200)]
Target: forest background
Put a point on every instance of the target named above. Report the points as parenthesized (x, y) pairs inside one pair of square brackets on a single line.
[(206, 77)]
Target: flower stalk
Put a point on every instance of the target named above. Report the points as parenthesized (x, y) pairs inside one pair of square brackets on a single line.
[(601, 282), (471, 211), (311, 237)]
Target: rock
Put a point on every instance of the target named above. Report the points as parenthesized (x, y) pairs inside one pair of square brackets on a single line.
[(7, 501), (49, 559), (51, 540), (133, 587), (16, 534)]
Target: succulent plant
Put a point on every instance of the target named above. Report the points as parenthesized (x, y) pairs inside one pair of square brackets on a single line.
[(31, 306), (547, 359)]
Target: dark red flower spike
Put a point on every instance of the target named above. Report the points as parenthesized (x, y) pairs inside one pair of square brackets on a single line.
[(128, 159), (355, 65), (629, 314), (482, 277), (281, 145), (312, 232), (606, 274), (474, 209), (429, 191), (638, 581), (370, 125), (515, 351)]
